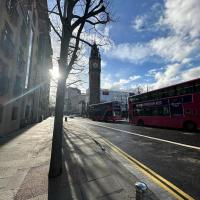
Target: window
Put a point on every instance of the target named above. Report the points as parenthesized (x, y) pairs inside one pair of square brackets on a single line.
[(172, 92), (4, 83), (189, 89), (187, 99), (175, 100), (11, 6), (20, 61), (23, 34), (17, 89), (1, 113), (6, 41), (180, 90), (14, 113), (176, 109), (197, 87), (34, 18)]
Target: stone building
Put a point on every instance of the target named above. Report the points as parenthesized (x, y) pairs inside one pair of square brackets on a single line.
[(25, 60), (74, 101), (94, 75)]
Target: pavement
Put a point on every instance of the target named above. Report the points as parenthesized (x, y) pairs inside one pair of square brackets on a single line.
[(91, 169)]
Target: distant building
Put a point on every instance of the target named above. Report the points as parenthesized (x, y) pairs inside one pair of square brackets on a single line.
[(73, 99), (25, 60)]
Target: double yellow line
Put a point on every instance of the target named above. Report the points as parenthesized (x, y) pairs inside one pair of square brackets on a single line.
[(172, 189)]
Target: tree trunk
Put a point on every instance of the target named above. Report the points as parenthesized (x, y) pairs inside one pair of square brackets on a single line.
[(56, 152)]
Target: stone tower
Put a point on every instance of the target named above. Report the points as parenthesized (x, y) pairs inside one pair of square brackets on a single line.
[(94, 75)]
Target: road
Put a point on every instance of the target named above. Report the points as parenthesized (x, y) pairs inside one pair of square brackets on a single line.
[(173, 154)]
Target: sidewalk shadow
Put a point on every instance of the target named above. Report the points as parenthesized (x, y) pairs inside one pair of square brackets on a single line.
[(115, 169), (58, 188), (83, 178), (10, 136)]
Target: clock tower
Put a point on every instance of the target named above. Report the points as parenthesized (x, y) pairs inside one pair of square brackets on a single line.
[(94, 75)]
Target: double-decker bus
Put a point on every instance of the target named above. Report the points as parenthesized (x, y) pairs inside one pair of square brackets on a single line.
[(108, 111), (176, 106)]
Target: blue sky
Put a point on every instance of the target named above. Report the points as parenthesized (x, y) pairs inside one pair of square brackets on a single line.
[(154, 43)]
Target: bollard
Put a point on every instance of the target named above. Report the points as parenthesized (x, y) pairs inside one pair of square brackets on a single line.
[(141, 190), (65, 119)]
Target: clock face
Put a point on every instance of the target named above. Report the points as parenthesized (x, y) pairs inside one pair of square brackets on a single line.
[(95, 65)]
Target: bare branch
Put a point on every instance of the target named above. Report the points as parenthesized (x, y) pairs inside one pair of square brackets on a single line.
[(82, 40), (55, 30)]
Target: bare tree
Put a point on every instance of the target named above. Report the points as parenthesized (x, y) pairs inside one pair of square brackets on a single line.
[(139, 89), (76, 16)]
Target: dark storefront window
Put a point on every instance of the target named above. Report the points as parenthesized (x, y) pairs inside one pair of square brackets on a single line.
[(14, 113)]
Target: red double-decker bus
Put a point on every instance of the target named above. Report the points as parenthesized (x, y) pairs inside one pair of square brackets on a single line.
[(176, 106), (108, 111)]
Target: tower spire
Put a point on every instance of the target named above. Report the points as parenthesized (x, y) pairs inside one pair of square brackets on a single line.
[(94, 51)]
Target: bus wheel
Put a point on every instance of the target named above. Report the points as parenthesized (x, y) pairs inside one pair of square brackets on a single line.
[(140, 122), (190, 126)]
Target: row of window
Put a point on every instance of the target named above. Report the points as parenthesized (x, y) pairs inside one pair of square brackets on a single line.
[(156, 111), (183, 99), (169, 92), (173, 110)]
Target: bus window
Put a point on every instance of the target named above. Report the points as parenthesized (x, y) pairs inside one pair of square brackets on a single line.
[(187, 99), (188, 89), (166, 111), (197, 88), (175, 100), (180, 90), (176, 109), (172, 92)]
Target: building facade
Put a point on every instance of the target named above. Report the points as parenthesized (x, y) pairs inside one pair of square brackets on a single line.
[(25, 60), (94, 75), (71, 100)]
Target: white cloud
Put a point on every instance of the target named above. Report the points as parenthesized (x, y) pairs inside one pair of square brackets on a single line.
[(182, 16), (173, 48), (130, 52), (121, 84), (191, 74), (152, 72), (134, 77), (173, 74), (139, 22)]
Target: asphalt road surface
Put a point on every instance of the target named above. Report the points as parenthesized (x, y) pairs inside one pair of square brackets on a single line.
[(173, 154)]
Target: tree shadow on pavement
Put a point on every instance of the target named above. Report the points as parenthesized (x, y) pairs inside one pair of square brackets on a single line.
[(58, 188), (122, 181), (91, 174), (77, 181)]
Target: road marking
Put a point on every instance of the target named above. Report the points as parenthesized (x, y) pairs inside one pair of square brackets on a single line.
[(149, 137), (171, 188)]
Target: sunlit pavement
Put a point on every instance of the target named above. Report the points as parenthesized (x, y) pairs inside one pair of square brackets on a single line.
[(91, 169)]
